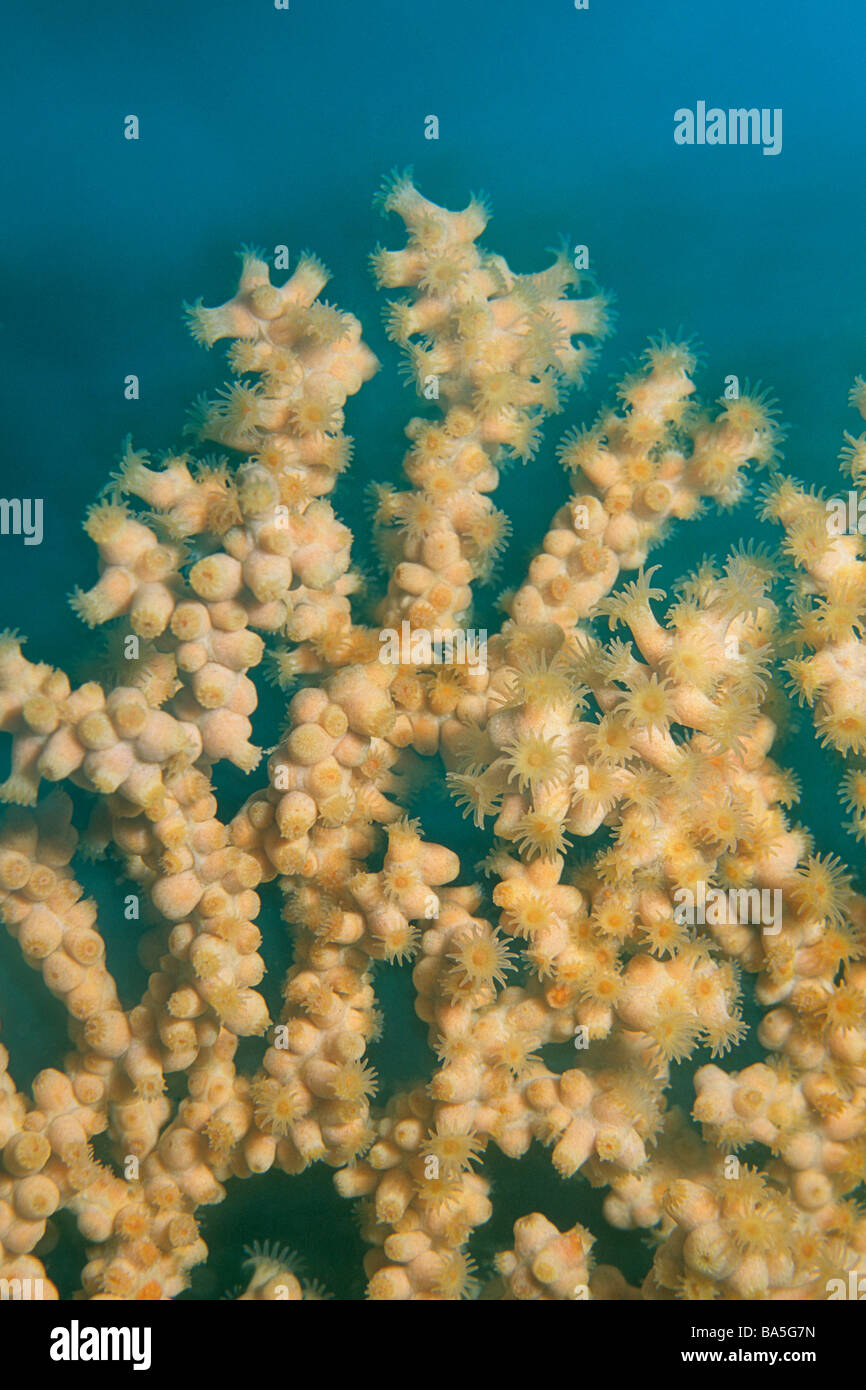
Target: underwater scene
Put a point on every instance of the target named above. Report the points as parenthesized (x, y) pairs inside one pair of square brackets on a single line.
[(433, 653)]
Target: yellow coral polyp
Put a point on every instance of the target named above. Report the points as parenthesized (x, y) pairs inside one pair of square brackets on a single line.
[(540, 833), (842, 729), (534, 760), (822, 889), (479, 959), (647, 704)]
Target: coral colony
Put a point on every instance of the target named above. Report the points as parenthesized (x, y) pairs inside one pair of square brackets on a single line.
[(653, 726)]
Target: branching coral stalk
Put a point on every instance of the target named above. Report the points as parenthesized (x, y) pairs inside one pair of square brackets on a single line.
[(605, 713)]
